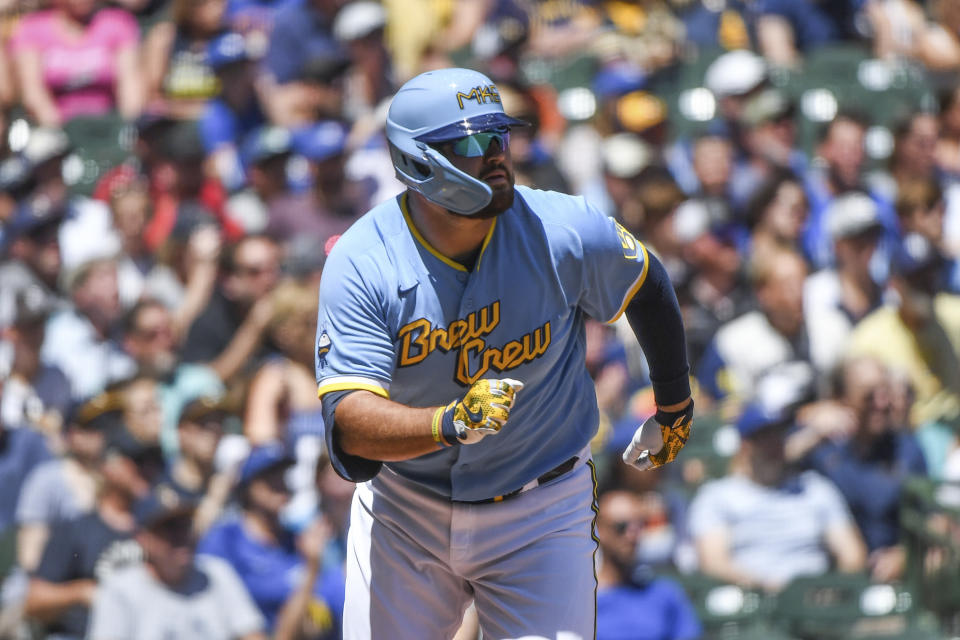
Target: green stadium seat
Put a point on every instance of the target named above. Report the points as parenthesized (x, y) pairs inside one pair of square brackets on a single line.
[(850, 607), (8, 551), (99, 144), (727, 611)]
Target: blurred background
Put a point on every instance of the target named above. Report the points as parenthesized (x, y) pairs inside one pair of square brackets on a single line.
[(174, 172)]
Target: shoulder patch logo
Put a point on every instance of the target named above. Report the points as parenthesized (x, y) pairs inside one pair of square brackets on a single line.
[(323, 348), (631, 248)]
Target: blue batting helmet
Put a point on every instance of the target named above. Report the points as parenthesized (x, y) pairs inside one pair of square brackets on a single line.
[(437, 106)]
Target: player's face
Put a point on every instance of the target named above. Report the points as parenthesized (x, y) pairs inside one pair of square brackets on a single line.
[(485, 156)]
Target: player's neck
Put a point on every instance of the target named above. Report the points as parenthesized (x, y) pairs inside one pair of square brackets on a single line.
[(459, 238)]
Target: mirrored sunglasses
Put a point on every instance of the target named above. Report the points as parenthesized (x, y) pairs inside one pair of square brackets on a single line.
[(477, 144)]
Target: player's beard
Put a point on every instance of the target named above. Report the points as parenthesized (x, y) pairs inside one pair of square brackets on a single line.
[(502, 198)]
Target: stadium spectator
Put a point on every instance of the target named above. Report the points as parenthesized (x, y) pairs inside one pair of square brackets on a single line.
[(23, 450), (193, 478), (335, 200), (304, 65), (139, 272), (842, 153), (948, 141), (79, 339), (777, 214), (235, 113), (868, 457), (282, 571), (920, 334), (77, 59), (65, 488), (173, 594), (766, 524), (359, 27), (230, 330), (81, 553), (32, 264), (149, 339), (625, 588), (767, 342), (921, 209), (36, 394), (282, 404), (177, 73), (265, 156), (190, 199), (835, 299), (715, 291), (770, 145)]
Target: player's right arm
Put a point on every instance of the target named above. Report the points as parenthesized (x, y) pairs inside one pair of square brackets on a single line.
[(354, 364)]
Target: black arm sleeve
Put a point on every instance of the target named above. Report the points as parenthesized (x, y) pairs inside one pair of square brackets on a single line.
[(348, 467), (654, 316)]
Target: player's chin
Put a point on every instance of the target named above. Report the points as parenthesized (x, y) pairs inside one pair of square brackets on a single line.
[(501, 200)]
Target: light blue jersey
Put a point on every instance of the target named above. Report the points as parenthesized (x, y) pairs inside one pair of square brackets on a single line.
[(401, 320)]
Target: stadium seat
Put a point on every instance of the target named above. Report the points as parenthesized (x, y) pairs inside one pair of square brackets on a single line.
[(99, 144), (849, 606), (8, 551), (729, 612)]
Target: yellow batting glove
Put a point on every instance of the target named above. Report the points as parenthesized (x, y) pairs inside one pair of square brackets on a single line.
[(481, 412), (660, 438)]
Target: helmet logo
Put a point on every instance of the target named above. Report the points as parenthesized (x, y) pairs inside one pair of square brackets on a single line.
[(482, 95)]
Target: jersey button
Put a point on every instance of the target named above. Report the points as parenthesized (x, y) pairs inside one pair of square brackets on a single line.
[(462, 277)]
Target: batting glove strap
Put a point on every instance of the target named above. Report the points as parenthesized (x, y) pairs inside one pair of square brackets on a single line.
[(675, 427), (481, 412)]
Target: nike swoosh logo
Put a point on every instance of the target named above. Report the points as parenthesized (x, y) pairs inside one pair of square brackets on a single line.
[(474, 417)]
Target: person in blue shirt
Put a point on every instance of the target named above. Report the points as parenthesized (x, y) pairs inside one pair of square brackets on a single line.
[(234, 114), (627, 591), (867, 456), (280, 570)]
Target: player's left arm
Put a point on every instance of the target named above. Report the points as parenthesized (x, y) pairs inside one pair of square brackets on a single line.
[(654, 315)]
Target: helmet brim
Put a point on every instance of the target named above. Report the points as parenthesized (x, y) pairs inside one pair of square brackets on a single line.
[(476, 124)]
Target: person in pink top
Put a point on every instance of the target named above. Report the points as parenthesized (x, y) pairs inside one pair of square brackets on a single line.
[(77, 59)]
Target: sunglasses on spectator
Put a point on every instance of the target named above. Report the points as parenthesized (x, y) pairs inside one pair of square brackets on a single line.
[(620, 527), (252, 270), (476, 145)]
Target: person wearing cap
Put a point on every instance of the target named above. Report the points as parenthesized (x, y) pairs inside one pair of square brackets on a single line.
[(921, 208), (715, 290), (623, 157), (22, 451), (335, 200), (235, 113), (770, 144), (37, 394), (861, 447), (264, 156), (836, 298), (77, 59), (82, 552), (766, 524), (842, 152), (32, 261), (65, 487), (79, 339), (771, 338), (190, 478), (359, 27), (173, 593), (283, 571), (625, 587), (918, 331)]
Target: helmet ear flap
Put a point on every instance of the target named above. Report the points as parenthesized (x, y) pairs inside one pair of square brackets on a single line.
[(409, 166)]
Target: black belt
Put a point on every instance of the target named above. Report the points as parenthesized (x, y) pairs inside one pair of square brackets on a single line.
[(553, 474)]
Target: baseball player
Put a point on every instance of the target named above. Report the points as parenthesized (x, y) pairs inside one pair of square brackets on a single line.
[(450, 361)]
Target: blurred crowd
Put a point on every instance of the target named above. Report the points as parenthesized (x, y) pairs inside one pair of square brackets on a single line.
[(162, 466)]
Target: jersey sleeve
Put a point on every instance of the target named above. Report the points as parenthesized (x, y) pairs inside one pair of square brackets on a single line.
[(614, 265), (354, 349)]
